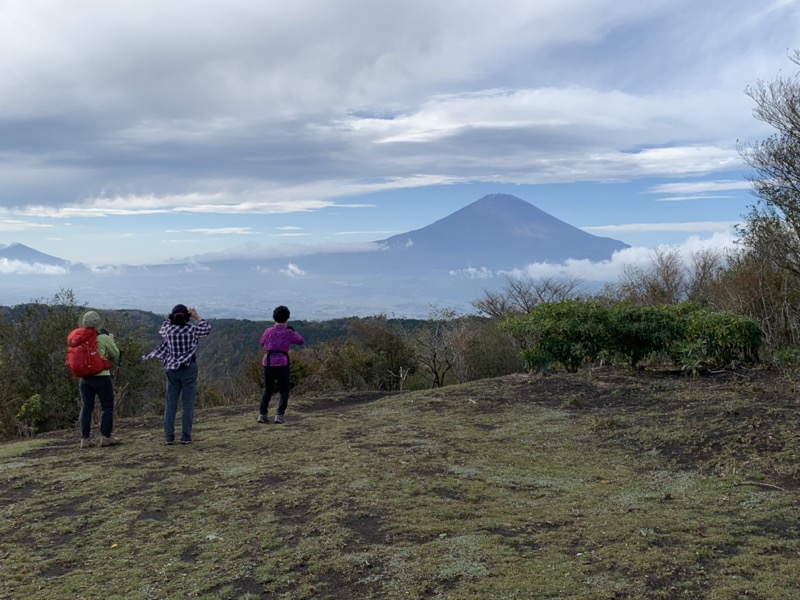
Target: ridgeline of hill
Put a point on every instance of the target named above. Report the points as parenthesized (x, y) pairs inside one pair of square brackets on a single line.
[(601, 485)]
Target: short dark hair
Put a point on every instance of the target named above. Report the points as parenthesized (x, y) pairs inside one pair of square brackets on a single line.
[(179, 315), (280, 314)]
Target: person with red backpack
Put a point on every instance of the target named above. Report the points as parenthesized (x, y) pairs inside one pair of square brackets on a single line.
[(87, 339)]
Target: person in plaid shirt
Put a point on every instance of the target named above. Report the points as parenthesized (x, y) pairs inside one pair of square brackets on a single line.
[(177, 352)]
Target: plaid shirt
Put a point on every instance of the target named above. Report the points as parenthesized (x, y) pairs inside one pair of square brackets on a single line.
[(180, 342)]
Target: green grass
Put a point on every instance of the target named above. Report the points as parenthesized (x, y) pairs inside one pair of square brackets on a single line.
[(13, 449), (520, 487)]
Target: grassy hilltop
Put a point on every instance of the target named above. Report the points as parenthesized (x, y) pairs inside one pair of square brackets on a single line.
[(614, 486)]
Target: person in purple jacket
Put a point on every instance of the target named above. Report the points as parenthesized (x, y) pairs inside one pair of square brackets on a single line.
[(276, 341)]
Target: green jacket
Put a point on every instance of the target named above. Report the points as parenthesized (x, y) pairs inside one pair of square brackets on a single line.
[(107, 348)]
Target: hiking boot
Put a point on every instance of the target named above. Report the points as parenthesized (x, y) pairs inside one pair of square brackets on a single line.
[(107, 440), (186, 438), (85, 443), (169, 440), (279, 419), (262, 419)]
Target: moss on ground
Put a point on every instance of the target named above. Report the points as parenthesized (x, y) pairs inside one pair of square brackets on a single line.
[(614, 486)]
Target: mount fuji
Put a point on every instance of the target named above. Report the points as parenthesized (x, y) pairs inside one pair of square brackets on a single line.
[(403, 275)]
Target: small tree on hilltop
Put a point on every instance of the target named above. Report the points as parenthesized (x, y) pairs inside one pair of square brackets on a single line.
[(389, 350), (773, 224)]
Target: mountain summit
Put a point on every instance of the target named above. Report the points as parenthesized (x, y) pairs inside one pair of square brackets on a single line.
[(501, 231)]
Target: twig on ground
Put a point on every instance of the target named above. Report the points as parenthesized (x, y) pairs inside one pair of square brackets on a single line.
[(762, 484)]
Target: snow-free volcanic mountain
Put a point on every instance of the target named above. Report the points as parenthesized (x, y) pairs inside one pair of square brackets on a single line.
[(501, 231), (448, 263), (22, 253)]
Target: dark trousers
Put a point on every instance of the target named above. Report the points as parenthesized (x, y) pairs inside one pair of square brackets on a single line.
[(102, 387), (273, 376)]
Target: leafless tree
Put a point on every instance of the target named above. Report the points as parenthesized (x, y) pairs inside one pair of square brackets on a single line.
[(662, 282), (461, 337), (521, 295), (670, 278), (434, 355), (705, 267)]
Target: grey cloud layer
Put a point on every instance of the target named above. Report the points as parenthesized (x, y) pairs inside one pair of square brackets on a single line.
[(171, 103)]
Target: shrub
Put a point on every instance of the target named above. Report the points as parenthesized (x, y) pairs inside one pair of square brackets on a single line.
[(575, 332), (34, 347), (569, 333), (639, 331), (788, 361), (727, 337)]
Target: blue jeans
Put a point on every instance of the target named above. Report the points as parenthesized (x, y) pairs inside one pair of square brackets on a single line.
[(180, 383), (102, 387)]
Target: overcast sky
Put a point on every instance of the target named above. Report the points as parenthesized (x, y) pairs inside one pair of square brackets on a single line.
[(144, 131)]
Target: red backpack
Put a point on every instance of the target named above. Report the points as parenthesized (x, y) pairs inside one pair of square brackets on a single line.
[(83, 357)]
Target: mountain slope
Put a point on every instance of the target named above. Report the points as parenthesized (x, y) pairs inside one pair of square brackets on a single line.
[(497, 232), (23, 253), (502, 231)]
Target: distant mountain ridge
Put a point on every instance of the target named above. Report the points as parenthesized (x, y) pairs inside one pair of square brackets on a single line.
[(448, 263)]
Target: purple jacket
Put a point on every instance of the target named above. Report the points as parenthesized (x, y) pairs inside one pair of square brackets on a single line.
[(278, 337)]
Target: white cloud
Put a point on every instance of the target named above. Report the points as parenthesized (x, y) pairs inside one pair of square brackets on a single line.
[(692, 227), (697, 187), (367, 232), (222, 230), (15, 225), (292, 270), (692, 198), (189, 203), (253, 251), (18, 267), (196, 267), (610, 270), (607, 270), (106, 270), (473, 273)]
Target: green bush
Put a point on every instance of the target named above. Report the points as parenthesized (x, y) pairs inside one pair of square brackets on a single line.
[(788, 362), (728, 337), (569, 333), (636, 331), (34, 348), (691, 356), (575, 332)]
